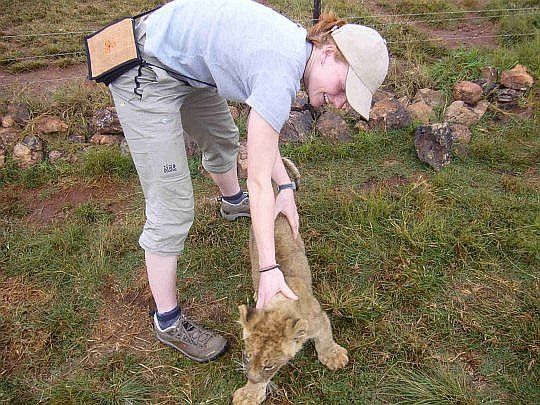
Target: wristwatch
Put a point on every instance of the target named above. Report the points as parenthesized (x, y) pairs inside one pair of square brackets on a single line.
[(292, 185)]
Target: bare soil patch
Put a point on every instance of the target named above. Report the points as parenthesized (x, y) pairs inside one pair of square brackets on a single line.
[(113, 197), (469, 32), (18, 296), (372, 183), (45, 80), (122, 324)]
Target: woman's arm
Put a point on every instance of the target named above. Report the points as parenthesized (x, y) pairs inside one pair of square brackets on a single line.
[(285, 199), (262, 154)]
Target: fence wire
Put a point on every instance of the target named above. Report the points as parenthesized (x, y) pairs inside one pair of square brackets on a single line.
[(466, 15), (455, 38), (500, 12), (40, 81)]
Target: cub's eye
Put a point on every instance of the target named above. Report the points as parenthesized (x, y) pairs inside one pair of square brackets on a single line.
[(269, 367)]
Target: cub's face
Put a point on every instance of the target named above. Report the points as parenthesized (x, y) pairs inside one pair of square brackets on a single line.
[(271, 339)]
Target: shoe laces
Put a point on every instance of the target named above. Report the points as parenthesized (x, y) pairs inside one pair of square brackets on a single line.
[(191, 332)]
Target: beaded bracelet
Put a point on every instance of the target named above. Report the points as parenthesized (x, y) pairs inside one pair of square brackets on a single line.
[(272, 267)]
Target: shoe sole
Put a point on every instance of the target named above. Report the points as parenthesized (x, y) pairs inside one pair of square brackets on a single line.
[(197, 359)]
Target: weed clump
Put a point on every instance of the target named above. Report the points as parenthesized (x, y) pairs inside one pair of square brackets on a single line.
[(109, 162)]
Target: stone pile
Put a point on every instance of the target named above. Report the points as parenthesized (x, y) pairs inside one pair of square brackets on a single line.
[(436, 142)]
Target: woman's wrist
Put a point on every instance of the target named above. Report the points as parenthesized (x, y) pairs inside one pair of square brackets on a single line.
[(269, 268)]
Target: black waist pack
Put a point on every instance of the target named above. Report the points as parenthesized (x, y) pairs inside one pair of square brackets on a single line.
[(113, 50)]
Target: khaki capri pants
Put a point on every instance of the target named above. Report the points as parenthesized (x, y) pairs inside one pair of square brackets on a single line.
[(154, 124)]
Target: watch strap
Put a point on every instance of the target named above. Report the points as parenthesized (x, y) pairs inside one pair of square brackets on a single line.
[(292, 185)]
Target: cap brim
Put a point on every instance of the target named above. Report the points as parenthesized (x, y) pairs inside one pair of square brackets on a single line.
[(358, 95)]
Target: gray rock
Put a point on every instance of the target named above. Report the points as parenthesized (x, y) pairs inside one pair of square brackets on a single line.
[(9, 136), (467, 91), (489, 74), (461, 138), (436, 144), (487, 86), (507, 98), (389, 114), (20, 113), (57, 155), (106, 139), (105, 121), (297, 127), (433, 98), (29, 151), (433, 144), (50, 125), (333, 127), (420, 111), (76, 138), (460, 113), (517, 78)]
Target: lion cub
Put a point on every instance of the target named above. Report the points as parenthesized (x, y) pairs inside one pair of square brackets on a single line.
[(274, 334)]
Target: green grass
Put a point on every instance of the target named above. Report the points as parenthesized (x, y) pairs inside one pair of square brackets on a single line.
[(106, 162), (430, 12), (64, 22), (430, 279)]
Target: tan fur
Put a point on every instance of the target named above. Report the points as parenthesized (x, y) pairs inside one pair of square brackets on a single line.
[(273, 335)]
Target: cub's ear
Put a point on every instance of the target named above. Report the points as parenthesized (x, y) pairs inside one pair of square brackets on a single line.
[(245, 314), (296, 329)]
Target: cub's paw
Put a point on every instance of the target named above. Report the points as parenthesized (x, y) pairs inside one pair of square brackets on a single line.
[(249, 395), (334, 358)]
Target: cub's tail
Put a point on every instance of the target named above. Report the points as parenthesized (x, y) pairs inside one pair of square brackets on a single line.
[(291, 168)]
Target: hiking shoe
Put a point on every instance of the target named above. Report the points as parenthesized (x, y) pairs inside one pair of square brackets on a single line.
[(233, 211), (192, 340)]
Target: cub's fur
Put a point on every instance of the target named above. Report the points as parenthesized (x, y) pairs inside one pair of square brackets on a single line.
[(274, 334)]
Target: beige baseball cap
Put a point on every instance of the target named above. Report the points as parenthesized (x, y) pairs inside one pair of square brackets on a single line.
[(366, 53)]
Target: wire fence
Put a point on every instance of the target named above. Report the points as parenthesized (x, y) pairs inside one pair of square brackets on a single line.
[(521, 12), (384, 20), (493, 13)]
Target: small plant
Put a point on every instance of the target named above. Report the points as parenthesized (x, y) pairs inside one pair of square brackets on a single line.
[(107, 162), (90, 212), (30, 178), (459, 65), (436, 385)]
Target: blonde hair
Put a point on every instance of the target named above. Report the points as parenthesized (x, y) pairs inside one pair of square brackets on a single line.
[(321, 33)]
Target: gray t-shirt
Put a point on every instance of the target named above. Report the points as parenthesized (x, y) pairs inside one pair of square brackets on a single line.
[(251, 53)]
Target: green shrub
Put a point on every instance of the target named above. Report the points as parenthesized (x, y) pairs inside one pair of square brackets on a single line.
[(107, 162)]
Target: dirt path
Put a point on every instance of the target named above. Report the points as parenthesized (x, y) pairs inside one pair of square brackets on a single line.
[(43, 79), (471, 31)]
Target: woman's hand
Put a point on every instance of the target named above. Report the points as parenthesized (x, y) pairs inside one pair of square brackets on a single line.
[(270, 283), (285, 204)]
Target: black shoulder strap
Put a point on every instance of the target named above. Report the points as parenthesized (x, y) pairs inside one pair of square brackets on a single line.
[(146, 12)]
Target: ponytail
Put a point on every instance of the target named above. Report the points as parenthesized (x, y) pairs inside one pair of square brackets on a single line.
[(320, 33)]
